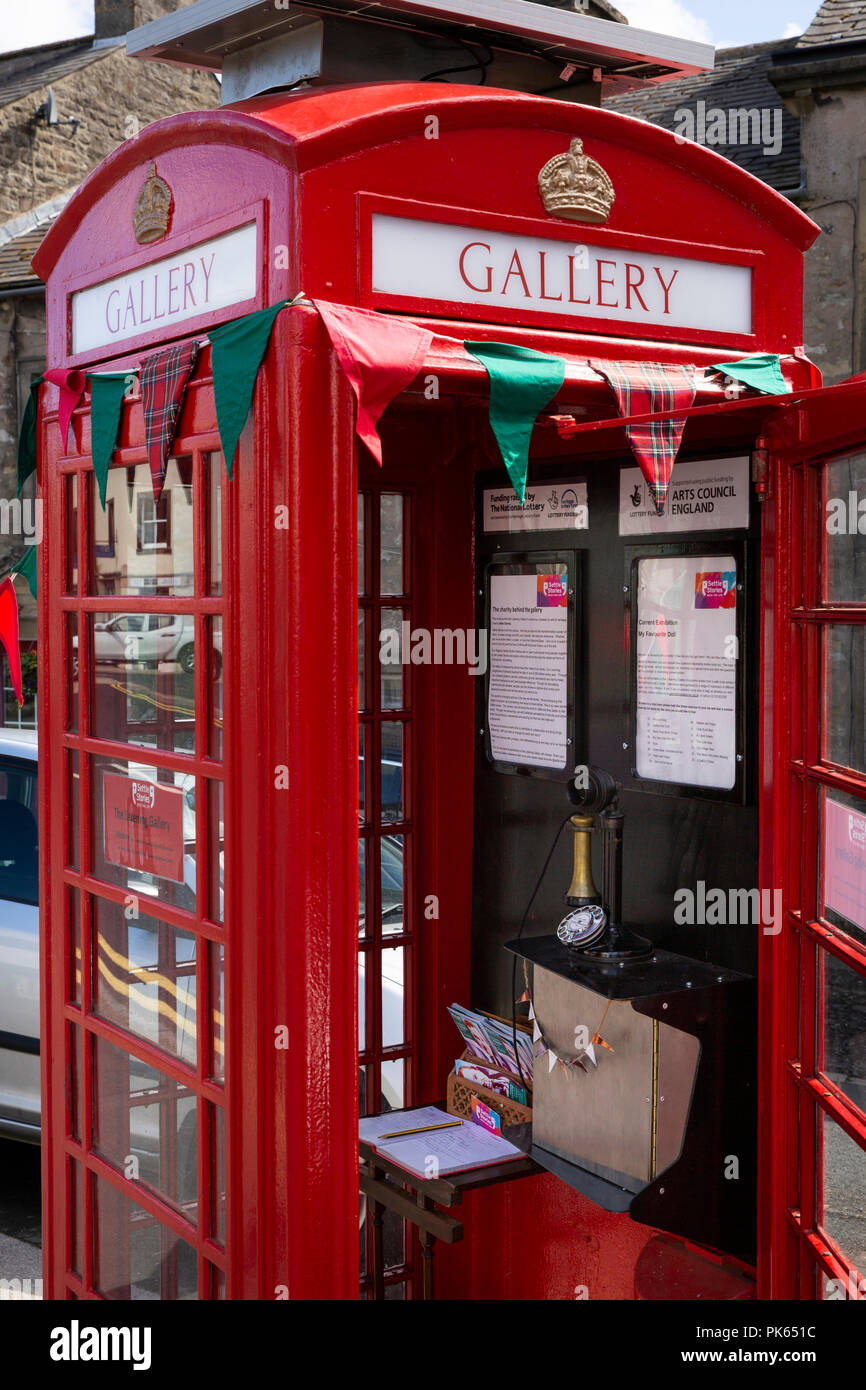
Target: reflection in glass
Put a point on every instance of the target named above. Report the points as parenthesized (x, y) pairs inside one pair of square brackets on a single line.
[(845, 577), (845, 1028), (215, 643), (362, 643), (842, 1194), (145, 1125), (218, 1133), (361, 545), (362, 887), (216, 905), (363, 743), (392, 877), (144, 834), (391, 543), (392, 771), (391, 657), (845, 695), (393, 1084), (392, 996), (145, 978), (218, 1011), (842, 848), (140, 545), (214, 468), (73, 844), (72, 672), (72, 533), (76, 1182), (136, 1256), (143, 679), (74, 982)]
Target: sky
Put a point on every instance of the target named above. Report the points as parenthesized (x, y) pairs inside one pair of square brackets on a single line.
[(724, 23)]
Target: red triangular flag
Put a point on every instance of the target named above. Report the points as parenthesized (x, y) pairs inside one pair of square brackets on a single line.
[(71, 382), (163, 378), (379, 355), (9, 634)]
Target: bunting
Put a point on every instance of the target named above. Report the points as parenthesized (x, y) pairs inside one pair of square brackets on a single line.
[(71, 383), (27, 570), (237, 349), (27, 435), (762, 370), (9, 635), (642, 388), (107, 390), (379, 355), (522, 383), (163, 378)]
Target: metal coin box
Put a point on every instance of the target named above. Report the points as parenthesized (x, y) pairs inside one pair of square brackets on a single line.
[(663, 1127)]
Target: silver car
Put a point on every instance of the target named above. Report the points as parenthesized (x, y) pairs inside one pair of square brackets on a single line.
[(19, 936)]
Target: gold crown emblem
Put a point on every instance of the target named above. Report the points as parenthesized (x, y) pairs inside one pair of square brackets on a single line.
[(573, 185), (152, 208)]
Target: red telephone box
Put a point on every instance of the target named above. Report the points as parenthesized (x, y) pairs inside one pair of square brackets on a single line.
[(214, 659)]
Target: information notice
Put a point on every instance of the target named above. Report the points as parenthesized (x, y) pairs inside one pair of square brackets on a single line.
[(527, 711), (687, 670), (144, 826)]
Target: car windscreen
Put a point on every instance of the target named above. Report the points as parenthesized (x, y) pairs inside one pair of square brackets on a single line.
[(19, 860)]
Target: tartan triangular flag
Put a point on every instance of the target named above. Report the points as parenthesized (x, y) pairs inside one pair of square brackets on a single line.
[(9, 634), (379, 355), (71, 382), (163, 378), (642, 388)]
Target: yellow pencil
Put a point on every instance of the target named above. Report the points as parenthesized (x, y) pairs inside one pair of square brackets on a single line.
[(424, 1129)]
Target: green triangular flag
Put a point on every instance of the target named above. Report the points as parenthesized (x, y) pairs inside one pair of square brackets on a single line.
[(107, 390), (27, 569), (762, 370), (237, 349), (521, 384), (27, 435)]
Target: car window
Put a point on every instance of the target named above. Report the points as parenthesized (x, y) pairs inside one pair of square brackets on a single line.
[(19, 862)]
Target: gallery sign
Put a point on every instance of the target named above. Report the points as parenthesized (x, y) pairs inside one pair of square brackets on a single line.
[(415, 259), (144, 826), (706, 495), (213, 275)]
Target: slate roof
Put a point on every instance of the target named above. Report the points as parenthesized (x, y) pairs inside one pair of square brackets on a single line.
[(19, 240), (837, 21), (739, 80), (31, 68)]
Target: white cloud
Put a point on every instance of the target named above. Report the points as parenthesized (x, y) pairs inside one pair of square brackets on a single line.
[(666, 17), (792, 30), (53, 21)]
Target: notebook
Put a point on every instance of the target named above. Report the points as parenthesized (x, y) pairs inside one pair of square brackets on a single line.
[(437, 1152)]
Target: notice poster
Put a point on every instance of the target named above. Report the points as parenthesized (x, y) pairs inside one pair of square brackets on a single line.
[(548, 507), (845, 862), (144, 826), (527, 700), (703, 496), (686, 655)]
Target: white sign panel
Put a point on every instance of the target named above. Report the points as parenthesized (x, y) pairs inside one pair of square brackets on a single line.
[(551, 507), (703, 496), (527, 702), (687, 670), (212, 275), (470, 265)]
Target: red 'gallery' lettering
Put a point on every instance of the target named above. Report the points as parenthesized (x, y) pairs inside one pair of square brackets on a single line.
[(556, 277), (163, 294)]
